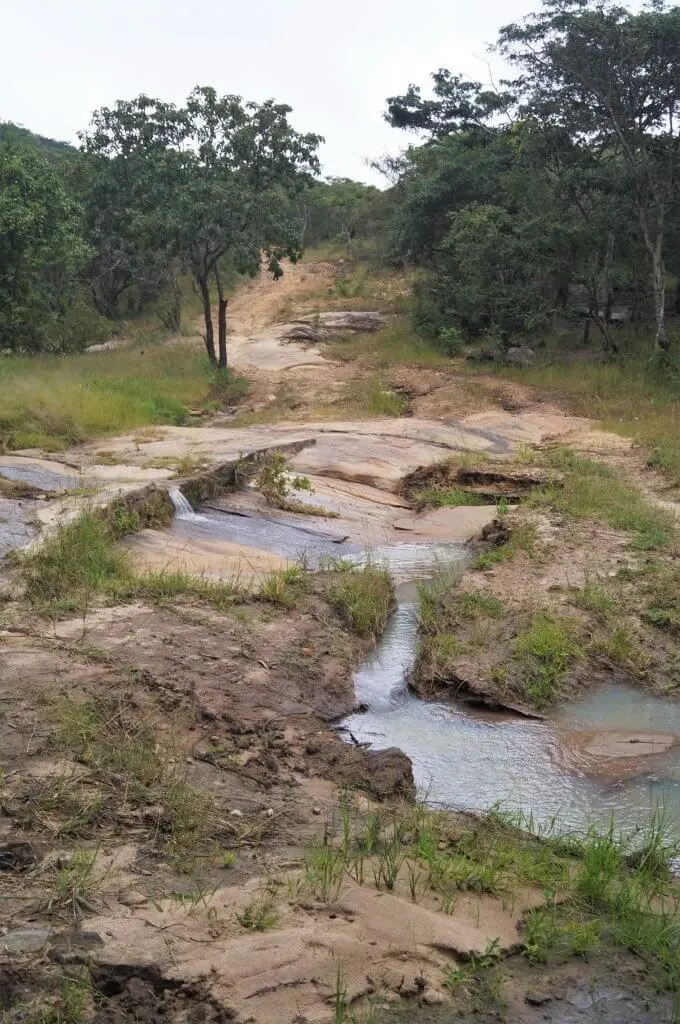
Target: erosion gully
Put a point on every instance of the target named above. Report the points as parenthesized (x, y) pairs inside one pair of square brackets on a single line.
[(609, 756)]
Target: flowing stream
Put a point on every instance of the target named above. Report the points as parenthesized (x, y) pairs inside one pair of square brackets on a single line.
[(612, 753)]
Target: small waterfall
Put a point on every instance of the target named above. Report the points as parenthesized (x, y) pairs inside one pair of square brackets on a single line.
[(183, 508)]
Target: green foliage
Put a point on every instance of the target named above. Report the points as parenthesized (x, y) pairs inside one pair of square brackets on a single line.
[(52, 403), (74, 564), (522, 539), (41, 254), (213, 186), (323, 871), (600, 867), (493, 261), (164, 585), (364, 596), (341, 210), (275, 482), (124, 757), (520, 199), (470, 974), (259, 915), (447, 497), (545, 652), (79, 562), (596, 598), (661, 592), (382, 401), (590, 490), (157, 190), (285, 587), (125, 521), (74, 884), (632, 396), (442, 611), (72, 1004), (440, 605)]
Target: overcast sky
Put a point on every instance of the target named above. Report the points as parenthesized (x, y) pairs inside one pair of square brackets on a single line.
[(334, 63)]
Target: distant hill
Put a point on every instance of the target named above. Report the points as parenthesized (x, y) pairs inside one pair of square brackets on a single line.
[(52, 148)]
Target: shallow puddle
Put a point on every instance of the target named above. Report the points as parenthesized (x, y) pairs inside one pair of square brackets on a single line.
[(17, 528), (592, 760), (37, 476)]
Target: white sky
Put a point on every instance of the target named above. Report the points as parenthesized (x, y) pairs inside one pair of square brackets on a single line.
[(334, 63)]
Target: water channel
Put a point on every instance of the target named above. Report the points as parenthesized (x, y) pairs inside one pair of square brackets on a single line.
[(612, 753)]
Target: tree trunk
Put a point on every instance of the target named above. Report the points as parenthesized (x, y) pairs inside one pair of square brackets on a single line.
[(662, 340), (562, 294), (586, 331), (171, 315), (607, 341), (209, 336), (221, 323), (655, 249)]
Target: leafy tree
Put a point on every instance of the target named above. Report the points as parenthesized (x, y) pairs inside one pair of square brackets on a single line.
[(41, 250), (570, 173), (459, 105), (210, 185), (130, 263), (610, 76), (340, 209)]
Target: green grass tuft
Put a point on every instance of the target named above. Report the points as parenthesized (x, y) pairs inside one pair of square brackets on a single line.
[(590, 490), (364, 596), (163, 586), (544, 653), (523, 538), (74, 564), (596, 598), (447, 497), (661, 592)]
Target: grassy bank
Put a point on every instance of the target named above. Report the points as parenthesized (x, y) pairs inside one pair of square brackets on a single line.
[(52, 402), (631, 396)]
